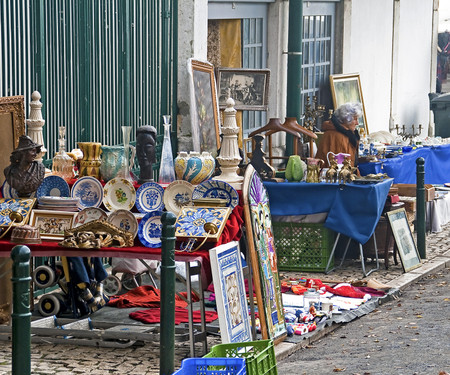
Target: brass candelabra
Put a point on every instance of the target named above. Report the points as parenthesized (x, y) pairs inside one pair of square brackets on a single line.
[(405, 135), (313, 111)]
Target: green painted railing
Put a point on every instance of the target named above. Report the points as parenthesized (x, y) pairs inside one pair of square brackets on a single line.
[(97, 64)]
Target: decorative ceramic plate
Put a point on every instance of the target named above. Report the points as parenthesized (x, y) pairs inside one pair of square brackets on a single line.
[(53, 186), (149, 197), (125, 220), (9, 192), (177, 195), (217, 189), (89, 190), (149, 231), (89, 214), (119, 194)]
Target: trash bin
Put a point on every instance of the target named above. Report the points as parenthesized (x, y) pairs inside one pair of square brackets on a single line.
[(440, 105)]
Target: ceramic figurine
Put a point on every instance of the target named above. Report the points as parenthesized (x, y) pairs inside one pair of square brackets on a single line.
[(346, 174), (332, 172), (25, 174), (145, 152)]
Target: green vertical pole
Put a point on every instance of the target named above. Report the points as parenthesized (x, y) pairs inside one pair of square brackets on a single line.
[(174, 67), (21, 316), (420, 213), (165, 63), (167, 335), (126, 64), (39, 52), (84, 46), (294, 66)]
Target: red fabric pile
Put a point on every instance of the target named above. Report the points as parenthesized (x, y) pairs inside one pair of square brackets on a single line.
[(342, 290), (181, 316), (232, 229), (145, 296)]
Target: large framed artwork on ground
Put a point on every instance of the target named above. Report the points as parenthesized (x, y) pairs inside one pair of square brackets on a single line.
[(346, 88), (204, 107), (12, 126), (261, 248), (409, 255), (229, 288)]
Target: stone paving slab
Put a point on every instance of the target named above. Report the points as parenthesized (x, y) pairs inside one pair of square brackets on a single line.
[(67, 359)]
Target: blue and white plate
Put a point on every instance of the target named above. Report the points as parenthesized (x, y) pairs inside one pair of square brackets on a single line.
[(125, 220), (53, 186), (178, 194), (89, 190), (9, 192), (149, 230), (217, 189), (149, 197)]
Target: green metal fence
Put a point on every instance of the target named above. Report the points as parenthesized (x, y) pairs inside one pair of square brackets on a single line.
[(98, 64)]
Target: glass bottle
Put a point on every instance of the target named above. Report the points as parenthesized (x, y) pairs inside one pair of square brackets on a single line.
[(63, 164), (166, 169), (125, 170)]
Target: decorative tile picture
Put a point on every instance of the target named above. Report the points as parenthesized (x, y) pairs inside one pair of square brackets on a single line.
[(23, 206)]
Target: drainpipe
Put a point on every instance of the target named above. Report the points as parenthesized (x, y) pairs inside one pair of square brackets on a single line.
[(394, 65), (294, 67)]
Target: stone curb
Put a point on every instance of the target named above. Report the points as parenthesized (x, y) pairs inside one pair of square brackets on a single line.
[(285, 349)]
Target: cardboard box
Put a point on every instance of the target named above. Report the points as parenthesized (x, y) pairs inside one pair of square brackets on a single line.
[(409, 190)]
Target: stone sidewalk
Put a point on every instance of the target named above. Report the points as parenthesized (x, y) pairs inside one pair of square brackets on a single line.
[(140, 360)]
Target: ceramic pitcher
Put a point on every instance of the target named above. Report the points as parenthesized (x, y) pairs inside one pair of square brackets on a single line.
[(90, 164), (313, 169), (114, 162)]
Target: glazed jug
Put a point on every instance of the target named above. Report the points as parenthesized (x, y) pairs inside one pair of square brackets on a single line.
[(314, 166), (114, 161)]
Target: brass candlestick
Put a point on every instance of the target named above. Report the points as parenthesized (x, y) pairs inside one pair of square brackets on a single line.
[(313, 111)]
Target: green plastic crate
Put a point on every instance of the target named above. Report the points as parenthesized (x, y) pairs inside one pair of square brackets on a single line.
[(302, 246), (259, 355)]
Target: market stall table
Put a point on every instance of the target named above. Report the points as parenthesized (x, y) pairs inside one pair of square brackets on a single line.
[(353, 209), (402, 168)]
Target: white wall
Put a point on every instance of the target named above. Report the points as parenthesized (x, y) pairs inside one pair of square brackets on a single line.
[(370, 53)]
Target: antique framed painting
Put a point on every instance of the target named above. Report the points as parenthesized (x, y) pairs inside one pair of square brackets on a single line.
[(52, 224), (229, 288), (263, 258), (249, 88), (407, 249), (12, 126), (346, 88), (204, 107)]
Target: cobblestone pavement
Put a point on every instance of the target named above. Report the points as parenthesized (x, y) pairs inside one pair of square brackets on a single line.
[(68, 359)]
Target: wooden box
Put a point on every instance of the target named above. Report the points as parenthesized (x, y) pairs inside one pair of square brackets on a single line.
[(409, 190)]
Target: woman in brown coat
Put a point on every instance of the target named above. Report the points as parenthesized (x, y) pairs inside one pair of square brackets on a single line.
[(340, 133)]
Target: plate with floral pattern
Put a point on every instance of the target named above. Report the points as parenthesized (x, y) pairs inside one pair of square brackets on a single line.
[(119, 194), (125, 220), (9, 192), (54, 186), (150, 228), (217, 189), (89, 190), (177, 195), (149, 197)]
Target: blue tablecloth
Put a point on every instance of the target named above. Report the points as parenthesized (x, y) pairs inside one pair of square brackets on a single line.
[(353, 210), (403, 168)]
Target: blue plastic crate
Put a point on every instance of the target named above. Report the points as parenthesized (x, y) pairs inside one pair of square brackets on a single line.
[(212, 366)]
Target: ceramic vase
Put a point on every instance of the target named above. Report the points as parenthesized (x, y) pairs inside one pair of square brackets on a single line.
[(194, 167), (90, 164)]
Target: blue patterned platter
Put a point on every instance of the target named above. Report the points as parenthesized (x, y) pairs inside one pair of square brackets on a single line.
[(23, 206), (191, 221), (54, 186), (149, 230), (119, 194), (9, 192), (149, 197), (125, 220), (217, 189), (89, 190)]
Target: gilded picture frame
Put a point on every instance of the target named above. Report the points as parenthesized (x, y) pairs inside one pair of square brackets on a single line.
[(12, 126), (407, 249), (52, 224), (204, 107), (249, 88), (346, 88)]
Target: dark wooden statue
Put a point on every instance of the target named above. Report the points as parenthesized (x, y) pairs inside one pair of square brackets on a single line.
[(146, 152), (25, 174), (265, 170)]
